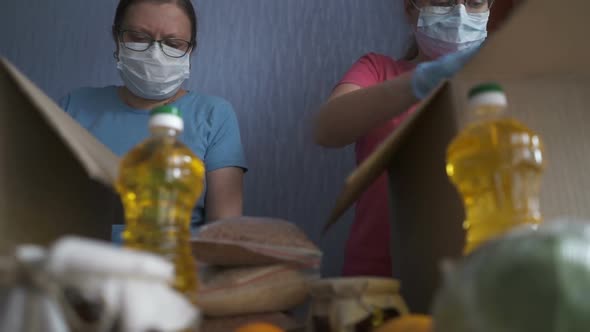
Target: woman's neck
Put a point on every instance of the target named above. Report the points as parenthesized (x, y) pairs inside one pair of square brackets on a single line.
[(139, 103)]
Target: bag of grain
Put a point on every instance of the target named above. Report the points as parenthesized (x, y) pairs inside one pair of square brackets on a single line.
[(252, 290), (251, 241)]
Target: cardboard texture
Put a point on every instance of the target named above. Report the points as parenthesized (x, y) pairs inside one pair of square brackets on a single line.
[(540, 56), (55, 177)]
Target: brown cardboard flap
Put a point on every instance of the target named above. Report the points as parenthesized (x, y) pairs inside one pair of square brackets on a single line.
[(542, 38), (100, 163), (426, 213), (362, 177), (55, 178)]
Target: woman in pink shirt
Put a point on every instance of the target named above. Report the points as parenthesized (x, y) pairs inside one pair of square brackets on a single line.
[(378, 92)]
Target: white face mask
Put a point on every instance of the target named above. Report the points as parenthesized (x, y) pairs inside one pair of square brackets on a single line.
[(152, 74), (439, 34)]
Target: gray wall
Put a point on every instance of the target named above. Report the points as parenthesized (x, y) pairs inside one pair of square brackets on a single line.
[(275, 60)]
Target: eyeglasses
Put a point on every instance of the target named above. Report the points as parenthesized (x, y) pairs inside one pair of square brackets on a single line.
[(446, 6), (141, 42)]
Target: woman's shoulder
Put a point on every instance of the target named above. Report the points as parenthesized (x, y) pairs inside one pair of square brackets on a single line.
[(206, 114), (88, 97), (92, 92), (373, 68), (382, 62), (206, 99), (378, 57), (208, 105)]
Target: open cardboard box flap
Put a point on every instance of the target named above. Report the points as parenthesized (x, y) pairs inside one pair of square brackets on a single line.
[(100, 163), (540, 56), (55, 177)]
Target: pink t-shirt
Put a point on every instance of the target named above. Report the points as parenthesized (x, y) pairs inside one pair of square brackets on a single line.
[(367, 250)]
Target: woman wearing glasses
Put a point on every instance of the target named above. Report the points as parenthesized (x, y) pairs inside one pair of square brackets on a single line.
[(154, 42), (375, 96)]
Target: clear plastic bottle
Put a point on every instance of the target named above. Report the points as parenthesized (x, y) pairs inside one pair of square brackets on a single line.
[(496, 163), (160, 181)]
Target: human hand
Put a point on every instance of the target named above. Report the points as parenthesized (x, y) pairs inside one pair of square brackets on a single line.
[(429, 74)]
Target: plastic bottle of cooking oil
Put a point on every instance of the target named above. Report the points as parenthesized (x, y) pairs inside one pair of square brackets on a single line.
[(496, 163), (159, 182)]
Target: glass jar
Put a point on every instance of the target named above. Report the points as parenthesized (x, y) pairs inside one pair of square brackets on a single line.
[(354, 304)]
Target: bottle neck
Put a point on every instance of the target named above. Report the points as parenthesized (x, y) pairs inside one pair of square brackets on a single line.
[(164, 132), (485, 112)]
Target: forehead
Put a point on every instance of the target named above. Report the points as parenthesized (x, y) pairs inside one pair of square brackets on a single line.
[(158, 19)]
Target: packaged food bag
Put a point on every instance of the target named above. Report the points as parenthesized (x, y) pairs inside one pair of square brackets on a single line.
[(250, 241), (252, 290)]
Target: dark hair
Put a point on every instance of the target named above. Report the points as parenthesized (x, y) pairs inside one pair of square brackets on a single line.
[(412, 52), (185, 5)]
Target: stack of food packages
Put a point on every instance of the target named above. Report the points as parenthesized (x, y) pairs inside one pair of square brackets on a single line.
[(252, 270)]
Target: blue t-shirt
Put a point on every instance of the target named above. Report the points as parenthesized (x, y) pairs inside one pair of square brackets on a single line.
[(210, 129)]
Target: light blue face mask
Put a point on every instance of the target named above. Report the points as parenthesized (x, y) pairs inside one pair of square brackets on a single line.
[(440, 32)]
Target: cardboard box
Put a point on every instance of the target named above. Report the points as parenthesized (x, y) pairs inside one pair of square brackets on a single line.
[(541, 57), (55, 177)]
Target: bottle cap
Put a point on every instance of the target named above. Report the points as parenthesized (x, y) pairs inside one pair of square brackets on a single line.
[(487, 94), (167, 117)]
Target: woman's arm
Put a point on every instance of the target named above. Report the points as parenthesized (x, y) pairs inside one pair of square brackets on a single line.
[(351, 111), (224, 197), (225, 164)]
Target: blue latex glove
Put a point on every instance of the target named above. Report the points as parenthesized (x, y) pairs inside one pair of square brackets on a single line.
[(428, 75)]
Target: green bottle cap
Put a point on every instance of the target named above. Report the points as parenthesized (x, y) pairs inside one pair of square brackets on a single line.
[(167, 117), (485, 88), (487, 94), (166, 109)]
